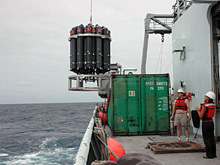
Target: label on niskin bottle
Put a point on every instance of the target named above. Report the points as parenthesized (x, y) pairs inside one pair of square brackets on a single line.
[(131, 93)]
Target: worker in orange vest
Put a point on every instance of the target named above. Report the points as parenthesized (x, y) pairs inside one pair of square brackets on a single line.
[(206, 113), (181, 108)]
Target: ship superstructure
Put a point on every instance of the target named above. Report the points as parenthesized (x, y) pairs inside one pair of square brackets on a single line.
[(195, 53)]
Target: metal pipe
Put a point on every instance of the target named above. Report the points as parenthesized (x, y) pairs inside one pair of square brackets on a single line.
[(89, 35), (145, 47)]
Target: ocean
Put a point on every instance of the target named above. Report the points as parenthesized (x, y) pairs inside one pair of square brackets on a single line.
[(42, 133)]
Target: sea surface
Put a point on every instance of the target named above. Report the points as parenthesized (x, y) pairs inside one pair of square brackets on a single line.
[(42, 133)]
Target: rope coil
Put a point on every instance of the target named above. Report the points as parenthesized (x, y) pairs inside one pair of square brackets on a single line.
[(102, 137)]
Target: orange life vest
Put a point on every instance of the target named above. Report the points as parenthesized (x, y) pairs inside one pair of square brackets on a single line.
[(211, 109), (180, 104)]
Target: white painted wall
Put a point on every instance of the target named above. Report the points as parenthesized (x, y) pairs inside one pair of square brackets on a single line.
[(192, 30)]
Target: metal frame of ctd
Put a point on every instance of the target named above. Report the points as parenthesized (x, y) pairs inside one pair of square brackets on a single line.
[(90, 35), (89, 78)]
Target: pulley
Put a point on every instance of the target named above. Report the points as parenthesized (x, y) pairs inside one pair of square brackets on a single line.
[(162, 37)]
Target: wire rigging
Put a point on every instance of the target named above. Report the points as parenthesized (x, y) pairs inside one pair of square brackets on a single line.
[(91, 13), (159, 61), (168, 66), (161, 56)]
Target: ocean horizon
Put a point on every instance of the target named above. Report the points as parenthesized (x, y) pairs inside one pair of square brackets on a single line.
[(42, 133)]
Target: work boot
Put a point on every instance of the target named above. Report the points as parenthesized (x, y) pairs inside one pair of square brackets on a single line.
[(206, 157)]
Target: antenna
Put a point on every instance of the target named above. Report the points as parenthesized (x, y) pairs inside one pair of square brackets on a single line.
[(91, 13)]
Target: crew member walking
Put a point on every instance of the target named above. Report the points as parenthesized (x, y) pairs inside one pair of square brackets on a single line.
[(206, 112), (181, 108)]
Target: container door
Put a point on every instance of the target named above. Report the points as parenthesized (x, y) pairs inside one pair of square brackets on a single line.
[(162, 99), (120, 105), (133, 102), (148, 104)]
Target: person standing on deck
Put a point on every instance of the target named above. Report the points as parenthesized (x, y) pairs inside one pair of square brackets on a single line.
[(206, 113), (180, 109)]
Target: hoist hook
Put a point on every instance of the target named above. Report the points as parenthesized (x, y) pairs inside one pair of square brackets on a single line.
[(162, 39)]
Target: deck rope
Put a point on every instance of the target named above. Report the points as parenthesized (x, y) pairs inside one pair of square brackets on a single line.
[(102, 137), (100, 134)]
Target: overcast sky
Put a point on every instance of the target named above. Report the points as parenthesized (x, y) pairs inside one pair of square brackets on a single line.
[(34, 47)]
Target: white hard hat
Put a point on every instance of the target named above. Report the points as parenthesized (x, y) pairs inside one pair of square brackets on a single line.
[(211, 95), (180, 91)]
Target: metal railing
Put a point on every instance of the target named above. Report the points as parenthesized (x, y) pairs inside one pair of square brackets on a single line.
[(83, 152), (180, 7)]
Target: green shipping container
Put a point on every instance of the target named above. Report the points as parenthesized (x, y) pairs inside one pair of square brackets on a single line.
[(139, 104)]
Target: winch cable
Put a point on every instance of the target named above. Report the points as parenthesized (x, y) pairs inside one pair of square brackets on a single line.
[(158, 62), (168, 66), (160, 54)]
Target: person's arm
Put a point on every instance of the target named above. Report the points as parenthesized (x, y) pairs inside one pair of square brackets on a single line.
[(188, 108), (201, 114), (174, 110)]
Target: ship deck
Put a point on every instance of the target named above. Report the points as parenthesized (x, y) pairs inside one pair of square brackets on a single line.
[(137, 144)]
